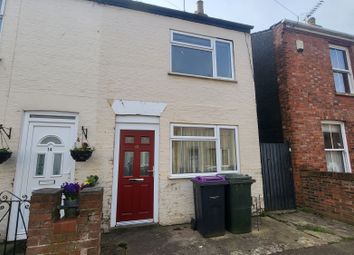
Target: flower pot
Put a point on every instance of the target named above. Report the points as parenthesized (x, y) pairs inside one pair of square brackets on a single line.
[(71, 208), (80, 156), (4, 155)]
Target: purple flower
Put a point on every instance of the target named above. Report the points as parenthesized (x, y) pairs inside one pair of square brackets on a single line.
[(71, 190)]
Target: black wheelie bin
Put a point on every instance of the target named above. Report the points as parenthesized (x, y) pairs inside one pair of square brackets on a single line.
[(209, 203)]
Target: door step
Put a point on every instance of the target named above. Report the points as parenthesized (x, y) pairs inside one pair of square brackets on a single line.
[(134, 223)]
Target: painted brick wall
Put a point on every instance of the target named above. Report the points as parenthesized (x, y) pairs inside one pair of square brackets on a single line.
[(47, 234), (307, 96), (79, 56)]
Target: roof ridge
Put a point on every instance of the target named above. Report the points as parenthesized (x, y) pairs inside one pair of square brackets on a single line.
[(163, 11)]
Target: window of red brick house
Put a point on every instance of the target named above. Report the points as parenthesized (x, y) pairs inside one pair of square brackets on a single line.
[(342, 73), (2, 10), (336, 148)]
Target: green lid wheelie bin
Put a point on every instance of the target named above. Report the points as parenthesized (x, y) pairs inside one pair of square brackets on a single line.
[(238, 200)]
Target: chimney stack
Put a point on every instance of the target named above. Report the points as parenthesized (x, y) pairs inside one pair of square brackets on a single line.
[(200, 8), (312, 21)]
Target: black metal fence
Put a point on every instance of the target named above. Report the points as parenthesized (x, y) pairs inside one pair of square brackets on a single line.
[(13, 222), (278, 184)]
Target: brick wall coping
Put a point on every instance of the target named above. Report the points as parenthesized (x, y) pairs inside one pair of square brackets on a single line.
[(46, 191), (54, 191), (92, 190), (336, 176)]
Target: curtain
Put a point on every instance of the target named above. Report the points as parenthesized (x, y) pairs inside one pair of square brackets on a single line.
[(335, 161), (193, 157), (193, 131), (228, 149)]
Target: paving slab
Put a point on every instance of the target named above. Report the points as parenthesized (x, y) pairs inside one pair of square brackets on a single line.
[(273, 236), (310, 221)]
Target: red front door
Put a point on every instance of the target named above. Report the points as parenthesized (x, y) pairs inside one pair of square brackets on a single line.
[(136, 181)]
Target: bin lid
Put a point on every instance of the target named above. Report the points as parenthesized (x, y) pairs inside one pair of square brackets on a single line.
[(209, 180), (238, 178)]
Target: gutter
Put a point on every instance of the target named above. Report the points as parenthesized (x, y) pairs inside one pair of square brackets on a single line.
[(317, 30), (153, 9)]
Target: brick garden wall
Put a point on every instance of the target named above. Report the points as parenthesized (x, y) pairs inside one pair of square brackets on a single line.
[(307, 96), (331, 194), (47, 234)]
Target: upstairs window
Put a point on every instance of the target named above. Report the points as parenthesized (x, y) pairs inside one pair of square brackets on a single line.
[(201, 56), (335, 147), (342, 74), (2, 10)]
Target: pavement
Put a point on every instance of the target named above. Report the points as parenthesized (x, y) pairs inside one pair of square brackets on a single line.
[(278, 233), (341, 248)]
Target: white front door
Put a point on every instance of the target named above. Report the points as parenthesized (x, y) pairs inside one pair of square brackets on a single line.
[(48, 160), (44, 159)]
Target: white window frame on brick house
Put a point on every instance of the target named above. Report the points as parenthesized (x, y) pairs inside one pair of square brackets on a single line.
[(347, 72), (216, 138), (344, 150), (2, 12), (211, 48)]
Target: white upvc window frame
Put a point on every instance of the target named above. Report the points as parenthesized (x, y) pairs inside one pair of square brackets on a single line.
[(215, 138), (212, 49), (346, 159), (349, 72), (2, 12)]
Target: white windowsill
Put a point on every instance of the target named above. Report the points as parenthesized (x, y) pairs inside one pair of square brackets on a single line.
[(202, 77), (345, 94), (189, 176)]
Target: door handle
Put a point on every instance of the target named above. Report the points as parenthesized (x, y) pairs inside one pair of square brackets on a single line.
[(136, 179), (214, 197), (152, 170)]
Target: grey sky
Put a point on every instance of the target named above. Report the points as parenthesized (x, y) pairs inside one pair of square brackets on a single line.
[(333, 14)]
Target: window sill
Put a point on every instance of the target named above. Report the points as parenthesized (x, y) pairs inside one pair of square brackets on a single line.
[(190, 176), (202, 77), (344, 94)]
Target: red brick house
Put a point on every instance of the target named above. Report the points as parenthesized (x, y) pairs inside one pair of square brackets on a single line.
[(305, 96)]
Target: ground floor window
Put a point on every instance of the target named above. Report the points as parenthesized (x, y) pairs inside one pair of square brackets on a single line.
[(198, 149), (336, 149)]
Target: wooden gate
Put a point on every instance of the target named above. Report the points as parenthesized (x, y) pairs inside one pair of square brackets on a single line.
[(278, 184)]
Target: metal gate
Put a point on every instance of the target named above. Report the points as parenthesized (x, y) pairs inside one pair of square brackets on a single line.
[(12, 218), (278, 184)]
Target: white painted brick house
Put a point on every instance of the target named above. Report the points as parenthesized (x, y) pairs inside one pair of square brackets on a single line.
[(165, 96)]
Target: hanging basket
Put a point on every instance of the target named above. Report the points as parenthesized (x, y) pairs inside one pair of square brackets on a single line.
[(81, 155), (4, 155)]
